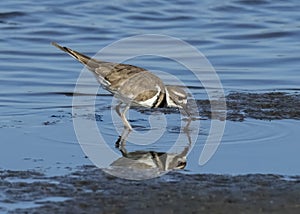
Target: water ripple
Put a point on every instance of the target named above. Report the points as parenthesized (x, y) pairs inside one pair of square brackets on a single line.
[(253, 45), (13, 14)]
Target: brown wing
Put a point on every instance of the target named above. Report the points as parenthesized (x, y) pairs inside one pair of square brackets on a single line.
[(136, 84), (131, 83)]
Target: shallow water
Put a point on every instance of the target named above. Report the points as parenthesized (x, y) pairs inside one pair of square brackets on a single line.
[(253, 46)]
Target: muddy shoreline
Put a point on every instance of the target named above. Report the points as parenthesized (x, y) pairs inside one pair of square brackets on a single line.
[(262, 106), (90, 190)]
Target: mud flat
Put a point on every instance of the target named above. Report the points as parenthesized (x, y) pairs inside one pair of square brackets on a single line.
[(242, 105), (90, 190), (262, 106)]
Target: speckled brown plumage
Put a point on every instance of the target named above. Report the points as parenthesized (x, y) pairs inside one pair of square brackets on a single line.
[(131, 84)]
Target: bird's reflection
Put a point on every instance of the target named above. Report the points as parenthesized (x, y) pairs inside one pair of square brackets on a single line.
[(150, 160)]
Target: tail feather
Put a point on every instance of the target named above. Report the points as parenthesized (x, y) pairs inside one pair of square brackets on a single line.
[(92, 64)]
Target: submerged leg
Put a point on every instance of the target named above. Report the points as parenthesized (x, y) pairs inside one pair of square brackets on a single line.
[(121, 142)]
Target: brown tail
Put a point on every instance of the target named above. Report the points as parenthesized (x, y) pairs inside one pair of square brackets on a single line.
[(92, 64)]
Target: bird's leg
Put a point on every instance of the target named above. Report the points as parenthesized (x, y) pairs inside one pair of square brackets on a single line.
[(123, 115), (187, 125), (118, 108), (124, 119)]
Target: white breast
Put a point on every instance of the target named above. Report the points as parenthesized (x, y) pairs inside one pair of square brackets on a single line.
[(152, 100)]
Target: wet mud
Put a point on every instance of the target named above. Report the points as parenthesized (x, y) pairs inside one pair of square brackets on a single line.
[(90, 190), (239, 106), (262, 106)]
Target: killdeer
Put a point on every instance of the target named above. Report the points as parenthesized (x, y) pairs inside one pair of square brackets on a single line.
[(131, 84)]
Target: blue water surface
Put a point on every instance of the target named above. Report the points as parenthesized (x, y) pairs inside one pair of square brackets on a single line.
[(252, 44)]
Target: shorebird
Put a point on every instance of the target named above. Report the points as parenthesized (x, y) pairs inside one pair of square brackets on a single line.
[(132, 85)]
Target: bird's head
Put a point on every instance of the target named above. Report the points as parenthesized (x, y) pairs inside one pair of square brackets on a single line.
[(176, 97)]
